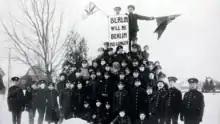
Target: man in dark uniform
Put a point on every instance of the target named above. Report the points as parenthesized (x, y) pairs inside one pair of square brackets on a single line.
[(192, 104), (16, 101), (137, 100), (173, 102), (62, 83), (133, 23), (41, 98), (121, 99), (65, 102), (160, 102), (31, 102)]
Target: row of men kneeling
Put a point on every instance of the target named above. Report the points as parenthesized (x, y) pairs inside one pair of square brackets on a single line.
[(134, 105)]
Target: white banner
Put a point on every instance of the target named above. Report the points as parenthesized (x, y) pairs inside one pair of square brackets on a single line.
[(118, 31)]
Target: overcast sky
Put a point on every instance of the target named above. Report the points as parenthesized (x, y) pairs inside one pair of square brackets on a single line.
[(188, 48)]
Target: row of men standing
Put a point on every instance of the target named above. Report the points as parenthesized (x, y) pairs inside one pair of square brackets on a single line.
[(162, 106)]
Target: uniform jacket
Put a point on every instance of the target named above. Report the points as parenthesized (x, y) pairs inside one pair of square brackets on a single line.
[(41, 98), (133, 21), (121, 101), (65, 98), (137, 99), (173, 102), (193, 105), (159, 105), (61, 85), (99, 114), (78, 98), (87, 113), (149, 102), (30, 98), (15, 99)]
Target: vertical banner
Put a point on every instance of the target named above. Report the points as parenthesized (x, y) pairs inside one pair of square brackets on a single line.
[(118, 31)]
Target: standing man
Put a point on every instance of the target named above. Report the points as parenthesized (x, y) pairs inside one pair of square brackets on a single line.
[(16, 101), (117, 10), (133, 24), (193, 104), (173, 102)]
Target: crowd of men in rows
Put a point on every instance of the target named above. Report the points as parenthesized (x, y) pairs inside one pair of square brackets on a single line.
[(117, 88)]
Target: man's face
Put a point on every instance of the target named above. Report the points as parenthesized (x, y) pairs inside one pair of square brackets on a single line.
[(110, 52), (192, 86), (79, 86), (151, 67), (86, 105), (120, 51), (84, 65), (121, 76), (62, 78), (73, 69), (107, 106), (142, 68), (146, 48), (103, 62), (98, 104), (50, 87), (134, 49), (122, 114), (107, 68), (77, 74), (98, 73), (68, 85), (95, 64), (135, 64), (171, 84), (93, 76), (151, 76), (106, 76), (135, 74), (117, 11), (123, 64), (160, 85), (120, 86), (130, 10), (137, 83), (127, 71), (149, 91), (34, 86), (142, 116)]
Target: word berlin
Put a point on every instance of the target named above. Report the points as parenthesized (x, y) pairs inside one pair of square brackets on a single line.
[(119, 20)]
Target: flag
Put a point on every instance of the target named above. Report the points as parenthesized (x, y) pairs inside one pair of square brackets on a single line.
[(90, 9), (162, 23)]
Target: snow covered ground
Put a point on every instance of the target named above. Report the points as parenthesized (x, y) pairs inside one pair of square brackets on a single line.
[(211, 114)]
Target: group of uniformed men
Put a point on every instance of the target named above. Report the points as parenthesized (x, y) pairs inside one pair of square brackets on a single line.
[(117, 88)]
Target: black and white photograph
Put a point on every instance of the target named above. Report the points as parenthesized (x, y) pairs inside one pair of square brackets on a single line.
[(109, 62)]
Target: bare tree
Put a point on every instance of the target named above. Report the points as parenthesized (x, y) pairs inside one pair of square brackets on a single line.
[(37, 38)]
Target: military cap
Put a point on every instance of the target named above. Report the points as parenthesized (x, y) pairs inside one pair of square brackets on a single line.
[(193, 80), (134, 46), (120, 83), (119, 47), (161, 75), (42, 82), (51, 84), (149, 87), (150, 63), (68, 82), (142, 65), (78, 70), (106, 43), (15, 78), (135, 60), (117, 8), (131, 6), (93, 73), (86, 102), (161, 82), (107, 73), (63, 74), (110, 49), (121, 72), (137, 80), (84, 61), (136, 70), (172, 78), (107, 65)]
